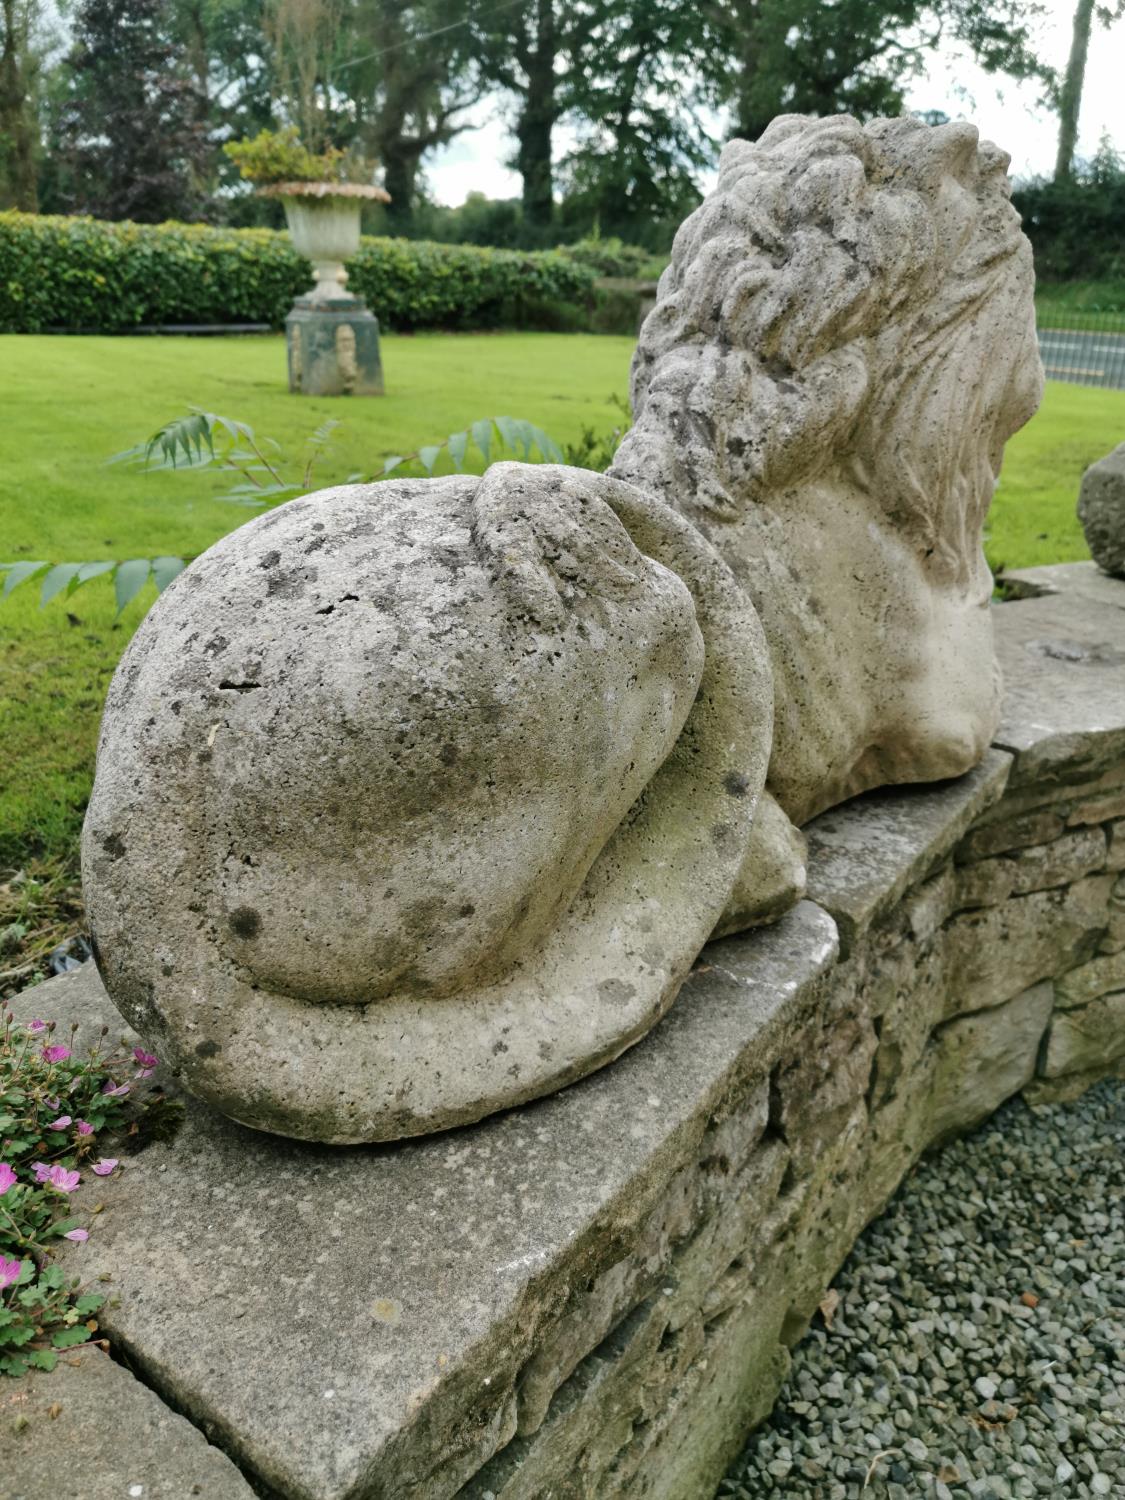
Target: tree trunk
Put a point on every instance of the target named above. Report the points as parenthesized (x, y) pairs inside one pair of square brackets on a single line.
[(18, 188), (1070, 100), (537, 121), (749, 120), (400, 168)]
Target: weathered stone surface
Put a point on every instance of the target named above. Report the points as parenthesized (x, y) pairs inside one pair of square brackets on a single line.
[(1063, 661), (993, 954), (1087, 1038), (845, 484), (420, 1279), (986, 882), (1101, 509), (110, 1438), (417, 801), (1115, 858), (333, 349), (984, 1058), (1003, 834), (863, 856), (592, 1296), (1089, 980), (1084, 580)]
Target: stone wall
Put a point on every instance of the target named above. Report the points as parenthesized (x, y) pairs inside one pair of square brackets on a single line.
[(595, 1295)]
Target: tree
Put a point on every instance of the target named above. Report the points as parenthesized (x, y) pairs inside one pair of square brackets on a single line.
[(131, 135), (409, 88), (851, 56), (23, 42), (1070, 94), (641, 142)]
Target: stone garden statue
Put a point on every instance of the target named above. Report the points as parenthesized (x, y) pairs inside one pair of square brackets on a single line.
[(417, 800)]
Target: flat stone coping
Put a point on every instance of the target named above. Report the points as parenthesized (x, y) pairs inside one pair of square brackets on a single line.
[(116, 1438), (350, 1322)]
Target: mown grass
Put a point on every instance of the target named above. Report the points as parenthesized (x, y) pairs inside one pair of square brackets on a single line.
[(70, 403)]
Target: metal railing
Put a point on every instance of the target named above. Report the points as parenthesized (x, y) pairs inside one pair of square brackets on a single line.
[(1082, 348)]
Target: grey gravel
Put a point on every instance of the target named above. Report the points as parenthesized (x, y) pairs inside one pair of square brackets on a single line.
[(937, 1378)]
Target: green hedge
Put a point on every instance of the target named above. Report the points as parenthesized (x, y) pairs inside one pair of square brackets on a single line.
[(96, 277)]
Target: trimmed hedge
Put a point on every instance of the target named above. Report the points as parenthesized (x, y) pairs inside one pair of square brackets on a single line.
[(87, 275)]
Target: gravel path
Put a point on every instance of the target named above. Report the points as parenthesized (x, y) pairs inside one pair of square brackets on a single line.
[(978, 1349)]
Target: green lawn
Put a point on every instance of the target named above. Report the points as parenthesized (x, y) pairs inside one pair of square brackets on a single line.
[(70, 403)]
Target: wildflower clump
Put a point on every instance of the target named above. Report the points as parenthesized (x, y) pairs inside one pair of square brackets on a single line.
[(55, 1107)]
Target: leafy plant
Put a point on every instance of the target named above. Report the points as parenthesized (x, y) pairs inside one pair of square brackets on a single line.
[(55, 1109), (75, 273), (263, 475), (279, 156)]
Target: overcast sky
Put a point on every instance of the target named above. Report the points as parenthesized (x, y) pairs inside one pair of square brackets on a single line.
[(1007, 113)]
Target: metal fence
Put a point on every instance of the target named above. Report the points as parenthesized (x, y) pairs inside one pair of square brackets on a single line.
[(1083, 348)]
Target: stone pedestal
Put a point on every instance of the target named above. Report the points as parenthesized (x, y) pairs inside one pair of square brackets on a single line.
[(333, 346)]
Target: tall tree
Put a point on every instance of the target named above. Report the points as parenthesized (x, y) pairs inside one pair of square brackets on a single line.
[(640, 138), (536, 54), (407, 87), (130, 128), (21, 44), (1070, 93), (853, 56)]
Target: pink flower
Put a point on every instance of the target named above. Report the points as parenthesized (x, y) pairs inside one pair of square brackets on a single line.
[(60, 1124), (41, 1170), (7, 1178), (51, 1103), (83, 1127), (104, 1167), (77, 1234), (66, 1182), (145, 1059), (121, 1088), (9, 1271), (35, 1027), (56, 1054)]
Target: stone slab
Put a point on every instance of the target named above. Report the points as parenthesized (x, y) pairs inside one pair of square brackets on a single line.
[(115, 1437), (1063, 659), (865, 854), (1086, 1039), (389, 1297), (983, 1059), (1084, 580)]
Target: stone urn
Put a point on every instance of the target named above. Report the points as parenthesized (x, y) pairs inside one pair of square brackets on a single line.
[(331, 336)]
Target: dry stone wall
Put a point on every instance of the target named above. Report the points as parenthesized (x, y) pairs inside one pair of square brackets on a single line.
[(595, 1296)]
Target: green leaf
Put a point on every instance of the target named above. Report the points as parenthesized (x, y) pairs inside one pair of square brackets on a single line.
[(548, 447), (482, 436), (19, 573), (90, 570), (43, 1359), (130, 580), (428, 456), (57, 580), (392, 463), (88, 1303), (67, 1338), (458, 443), (164, 569)]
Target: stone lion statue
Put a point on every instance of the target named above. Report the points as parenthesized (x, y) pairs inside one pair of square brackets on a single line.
[(842, 344), (417, 800)]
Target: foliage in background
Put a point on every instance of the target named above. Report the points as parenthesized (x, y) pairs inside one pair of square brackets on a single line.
[(81, 274), (1077, 224), (56, 1110), (203, 440), (132, 135)]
